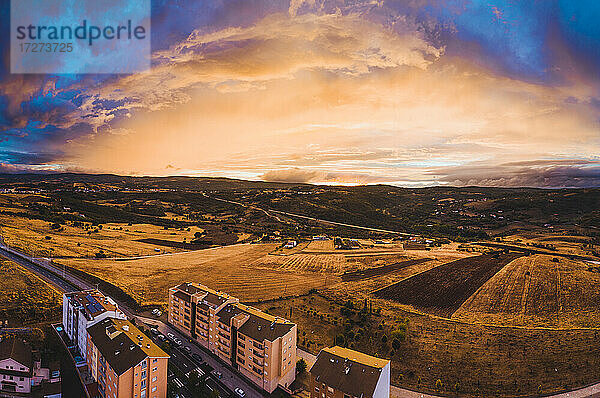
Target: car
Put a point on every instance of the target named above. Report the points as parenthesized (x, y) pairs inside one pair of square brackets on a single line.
[(154, 331), (158, 313), (240, 392), (162, 337), (197, 357), (177, 342), (154, 311), (187, 348), (218, 374), (171, 336)]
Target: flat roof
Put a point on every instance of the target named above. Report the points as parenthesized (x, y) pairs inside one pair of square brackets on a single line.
[(92, 302)]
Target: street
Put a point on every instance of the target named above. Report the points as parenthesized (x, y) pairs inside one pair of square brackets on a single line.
[(230, 378)]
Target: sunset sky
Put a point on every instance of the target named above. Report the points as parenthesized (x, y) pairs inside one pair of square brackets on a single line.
[(405, 92)]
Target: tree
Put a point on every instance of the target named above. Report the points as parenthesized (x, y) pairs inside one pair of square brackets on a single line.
[(301, 366)]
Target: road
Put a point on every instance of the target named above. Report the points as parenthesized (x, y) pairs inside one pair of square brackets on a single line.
[(269, 211), (65, 282), (230, 378)]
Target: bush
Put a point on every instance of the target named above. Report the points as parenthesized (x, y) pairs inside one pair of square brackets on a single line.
[(301, 366)]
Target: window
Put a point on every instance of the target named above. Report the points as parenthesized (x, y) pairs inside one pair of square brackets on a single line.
[(154, 369), (154, 360), (144, 374), (154, 389), (316, 389), (154, 378)]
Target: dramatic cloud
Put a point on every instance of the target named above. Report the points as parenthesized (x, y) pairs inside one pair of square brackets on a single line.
[(409, 93)]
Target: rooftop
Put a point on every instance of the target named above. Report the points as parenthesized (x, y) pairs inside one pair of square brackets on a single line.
[(262, 326), (122, 344), (92, 302), (349, 371), (16, 349), (211, 297)]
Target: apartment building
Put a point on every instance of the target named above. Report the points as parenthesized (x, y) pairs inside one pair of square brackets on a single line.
[(191, 308), (125, 362), (343, 373), (262, 347), (83, 309)]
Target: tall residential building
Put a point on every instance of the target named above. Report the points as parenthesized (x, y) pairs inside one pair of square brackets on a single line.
[(83, 309), (262, 347), (125, 362), (343, 373)]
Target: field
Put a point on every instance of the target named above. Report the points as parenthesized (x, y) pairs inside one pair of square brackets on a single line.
[(25, 299), (443, 289), (233, 269), (372, 272), (37, 238), (473, 359), (538, 290)]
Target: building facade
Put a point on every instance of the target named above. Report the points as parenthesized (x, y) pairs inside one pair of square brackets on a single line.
[(83, 309), (262, 347), (125, 362), (21, 370), (343, 373)]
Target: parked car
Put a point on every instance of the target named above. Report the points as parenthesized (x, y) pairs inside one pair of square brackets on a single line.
[(154, 311), (240, 393), (187, 348), (197, 357), (171, 336), (158, 313), (162, 337), (154, 331), (177, 342)]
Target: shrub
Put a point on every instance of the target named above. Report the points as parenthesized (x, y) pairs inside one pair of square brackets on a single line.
[(301, 366)]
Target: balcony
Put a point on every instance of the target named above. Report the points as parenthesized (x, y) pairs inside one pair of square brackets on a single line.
[(258, 345), (258, 354)]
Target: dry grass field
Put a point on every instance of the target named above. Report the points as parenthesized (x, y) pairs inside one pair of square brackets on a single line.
[(37, 238), (234, 269), (24, 298), (537, 290), (473, 359), (567, 244)]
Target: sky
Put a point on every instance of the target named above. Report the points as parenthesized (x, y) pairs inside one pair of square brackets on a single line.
[(404, 92)]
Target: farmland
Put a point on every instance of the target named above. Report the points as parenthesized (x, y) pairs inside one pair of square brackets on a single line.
[(443, 289), (471, 358), (538, 290), (381, 270), (231, 269), (24, 298)]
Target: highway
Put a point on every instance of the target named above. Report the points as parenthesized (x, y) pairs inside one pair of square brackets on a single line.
[(320, 220), (66, 282), (230, 379), (60, 283)]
